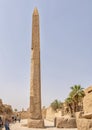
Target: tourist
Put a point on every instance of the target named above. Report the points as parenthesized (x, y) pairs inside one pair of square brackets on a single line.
[(18, 118), (1, 123), (12, 119), (15, 118), (7, 124)]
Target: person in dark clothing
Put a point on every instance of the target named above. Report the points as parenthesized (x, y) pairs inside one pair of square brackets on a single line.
[(7, 124), (1, 123)]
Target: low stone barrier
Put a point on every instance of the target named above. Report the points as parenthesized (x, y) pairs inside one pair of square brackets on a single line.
[(66, 122), (84, 124)]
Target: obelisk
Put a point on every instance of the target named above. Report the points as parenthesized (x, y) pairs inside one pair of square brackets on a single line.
[(35, 120)]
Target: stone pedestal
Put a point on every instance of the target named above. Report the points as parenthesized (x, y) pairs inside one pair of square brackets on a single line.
[(84, 124), (35, 123), (64, 122)]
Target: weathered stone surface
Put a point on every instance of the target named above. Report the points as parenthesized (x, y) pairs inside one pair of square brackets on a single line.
[(35, 120), (1, 102), (85, 121), (84, 124), (44, 113), (87, 116), (87, 101), (79, 114), (24, 114), (50, 114), (88, 90), (4, 108), (65, 122), (35, 82), (35, 123)]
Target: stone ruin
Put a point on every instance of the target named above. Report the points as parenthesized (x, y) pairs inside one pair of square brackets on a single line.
[(84, 119), (5, 109)]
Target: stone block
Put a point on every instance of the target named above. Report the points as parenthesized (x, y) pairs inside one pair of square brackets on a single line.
[(84, 124), (87, 116), (87, 101), (66, 122), (35, 123)]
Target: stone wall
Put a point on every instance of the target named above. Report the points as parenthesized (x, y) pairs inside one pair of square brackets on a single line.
[(87, 101), (24, 114), (5, 109), (0, 102), (65, 122), (44, 110), (51, 114), (84, 122)]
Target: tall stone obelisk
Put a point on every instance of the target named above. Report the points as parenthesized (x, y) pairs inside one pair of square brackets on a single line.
[(35, 120)]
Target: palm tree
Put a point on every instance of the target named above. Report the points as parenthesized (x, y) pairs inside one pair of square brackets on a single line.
[(69, 103), (77, 95), (56, 104)]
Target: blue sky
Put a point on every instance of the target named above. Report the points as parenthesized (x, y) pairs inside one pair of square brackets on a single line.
[(66, 48)]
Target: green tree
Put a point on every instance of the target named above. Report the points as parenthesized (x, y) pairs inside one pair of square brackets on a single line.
[(77, 95), (56, 105), (15, 110), (69, 103)]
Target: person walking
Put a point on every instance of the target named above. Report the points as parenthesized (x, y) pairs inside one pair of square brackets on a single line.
[(7, 124), (1, 123)]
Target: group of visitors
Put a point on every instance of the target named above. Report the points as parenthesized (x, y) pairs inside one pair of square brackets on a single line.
[(15, 118), (4, 124)]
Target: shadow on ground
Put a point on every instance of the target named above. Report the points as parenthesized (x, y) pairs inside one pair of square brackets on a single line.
[(49, 126)]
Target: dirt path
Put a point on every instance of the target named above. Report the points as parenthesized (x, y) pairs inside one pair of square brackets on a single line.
[(49, 126)]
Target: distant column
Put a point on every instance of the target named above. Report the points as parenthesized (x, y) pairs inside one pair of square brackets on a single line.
[(35, 120)]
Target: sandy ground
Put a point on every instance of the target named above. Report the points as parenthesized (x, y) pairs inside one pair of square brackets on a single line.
[(49, 126)]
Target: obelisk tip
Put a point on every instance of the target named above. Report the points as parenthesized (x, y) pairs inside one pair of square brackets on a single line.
[(35, 12)]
